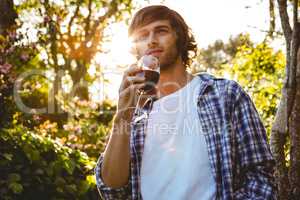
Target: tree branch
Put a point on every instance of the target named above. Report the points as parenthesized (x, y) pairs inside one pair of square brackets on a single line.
[(287, 30), (74, 16), (87, 21), (295, 12), (272, 19), (101, 19), (53, 52), (293, 58)]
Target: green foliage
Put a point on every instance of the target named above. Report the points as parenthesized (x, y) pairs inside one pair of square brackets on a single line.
[(86, 129), (213, 57), (260, 71), (41, 154), (36, 167), (256, 67), (70, 33), (41, 157), (13, 59)]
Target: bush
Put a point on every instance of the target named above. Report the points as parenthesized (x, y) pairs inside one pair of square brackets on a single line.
[(260, 70), (36, 167), (87, 128)]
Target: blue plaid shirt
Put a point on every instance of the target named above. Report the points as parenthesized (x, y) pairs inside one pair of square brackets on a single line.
[(239, 153)]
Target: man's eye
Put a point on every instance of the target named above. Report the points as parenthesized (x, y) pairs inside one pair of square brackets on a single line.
[(162, 31), (141, 37)]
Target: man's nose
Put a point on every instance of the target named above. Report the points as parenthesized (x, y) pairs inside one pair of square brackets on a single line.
[(152, 40)]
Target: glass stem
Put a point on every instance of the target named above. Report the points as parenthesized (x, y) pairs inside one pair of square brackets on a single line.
[(137, 107)]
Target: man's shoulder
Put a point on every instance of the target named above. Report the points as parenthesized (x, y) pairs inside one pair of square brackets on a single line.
[(220, 83), (222, 90)]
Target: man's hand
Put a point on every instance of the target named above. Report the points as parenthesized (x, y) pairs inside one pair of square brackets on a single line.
[(116, 162), (128, 92)]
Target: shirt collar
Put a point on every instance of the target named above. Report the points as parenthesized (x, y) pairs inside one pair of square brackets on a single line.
[(206, 81)]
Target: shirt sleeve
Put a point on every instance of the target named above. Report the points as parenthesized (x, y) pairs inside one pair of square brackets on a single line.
[(108, 193), (256, 160)]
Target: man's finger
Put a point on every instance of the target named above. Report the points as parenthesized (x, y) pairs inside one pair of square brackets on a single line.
[(132, 70), (135, 79), (132, 89)]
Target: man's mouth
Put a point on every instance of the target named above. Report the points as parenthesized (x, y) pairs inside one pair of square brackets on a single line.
[(154, 52)]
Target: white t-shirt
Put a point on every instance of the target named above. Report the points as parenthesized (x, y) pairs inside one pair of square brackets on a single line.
[(175, 162)]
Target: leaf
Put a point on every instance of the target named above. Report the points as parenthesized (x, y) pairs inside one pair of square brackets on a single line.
[(91, 179), (59, 181), (69, 165), (71, 188), (39, 172), (2, 38), (8, 156), (83, 187), (32, 154), (15, 187), (14, 177)]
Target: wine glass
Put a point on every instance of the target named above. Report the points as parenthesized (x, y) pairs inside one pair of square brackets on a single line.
[(151, 72)]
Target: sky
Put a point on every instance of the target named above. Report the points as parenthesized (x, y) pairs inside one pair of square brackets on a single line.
[(217, 19), (209, 20)]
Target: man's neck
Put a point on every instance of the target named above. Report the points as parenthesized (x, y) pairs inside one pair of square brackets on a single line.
[(172, 79)]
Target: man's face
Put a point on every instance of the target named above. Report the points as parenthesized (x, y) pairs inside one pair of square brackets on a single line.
[(158, 39)]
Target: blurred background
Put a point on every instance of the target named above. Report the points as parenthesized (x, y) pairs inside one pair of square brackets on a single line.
[(61, 64)]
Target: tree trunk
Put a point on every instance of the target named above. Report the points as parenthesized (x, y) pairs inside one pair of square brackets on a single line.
[(295, 137), (272, 18), (287, 118), (278, 140), (80, 87), (7, 15)]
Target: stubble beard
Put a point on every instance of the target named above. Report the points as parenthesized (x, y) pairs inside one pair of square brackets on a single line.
[(169, 60)]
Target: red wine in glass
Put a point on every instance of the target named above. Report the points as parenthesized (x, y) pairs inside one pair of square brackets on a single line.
[(150, 71), (151, 79)]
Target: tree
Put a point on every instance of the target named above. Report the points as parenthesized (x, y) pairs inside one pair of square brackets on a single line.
[(7, 15), (219, 53), (259, 69), (8, 55), (71, 33), (285, 135), (36, 160)]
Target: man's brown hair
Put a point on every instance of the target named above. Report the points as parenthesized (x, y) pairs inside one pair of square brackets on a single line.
[(186, 44)]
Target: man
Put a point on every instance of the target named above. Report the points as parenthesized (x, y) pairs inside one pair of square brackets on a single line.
[(197, 137)]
